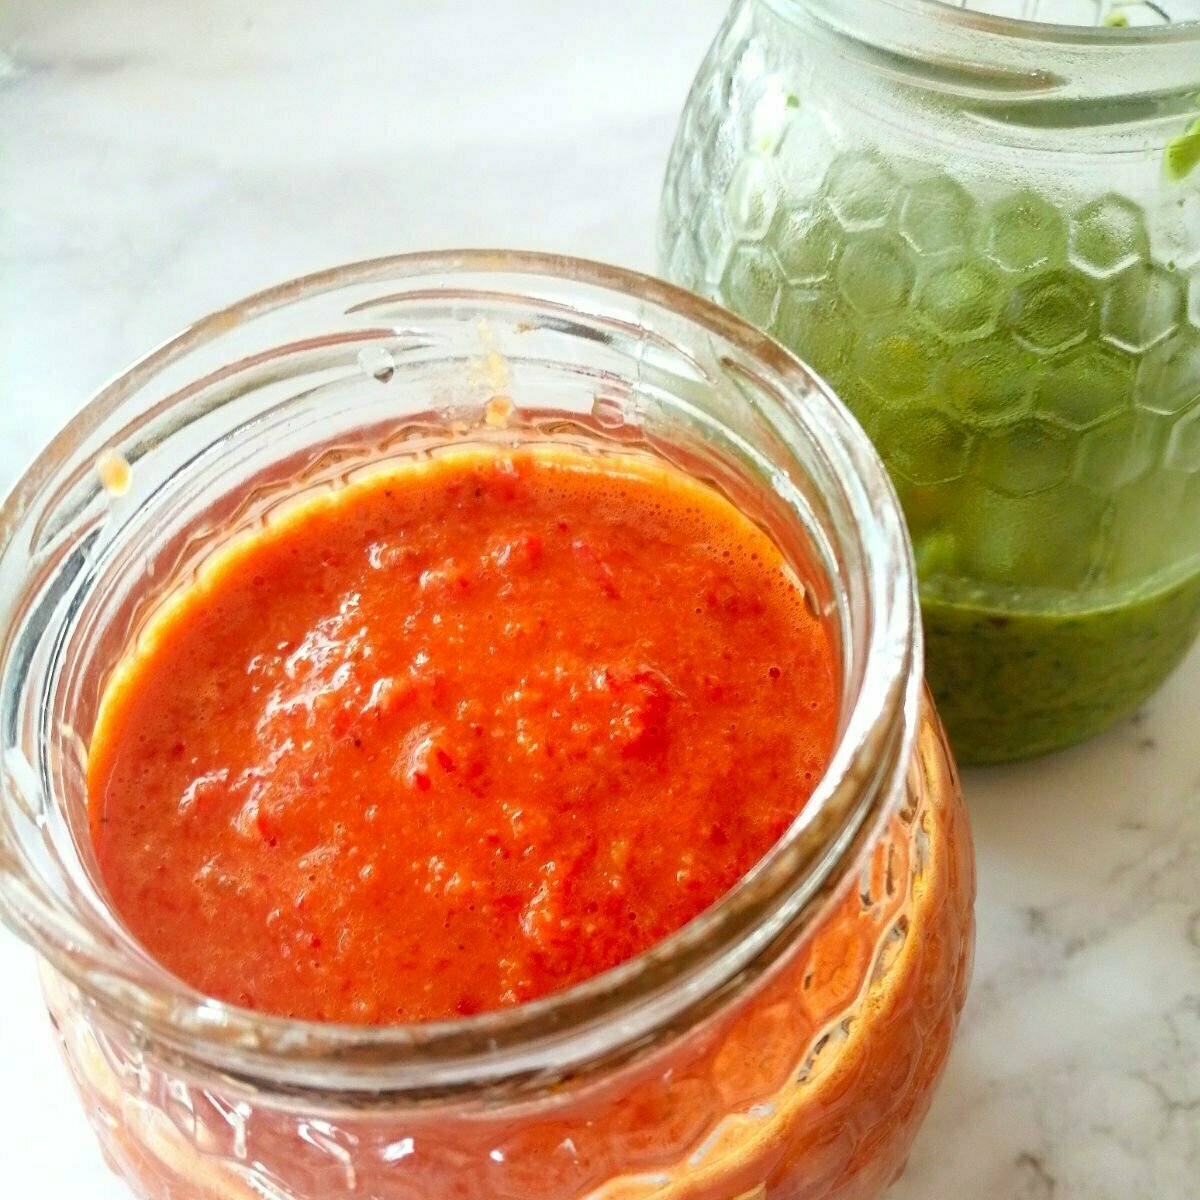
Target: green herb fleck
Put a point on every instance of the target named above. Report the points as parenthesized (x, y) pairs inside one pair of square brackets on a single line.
[(1183, 153), (793, 101), (1117, 20)]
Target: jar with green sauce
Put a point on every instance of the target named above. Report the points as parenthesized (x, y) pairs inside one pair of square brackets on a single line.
[(981, 223)]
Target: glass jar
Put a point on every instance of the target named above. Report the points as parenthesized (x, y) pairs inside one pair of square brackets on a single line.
[(785, 1044), (985, 233)]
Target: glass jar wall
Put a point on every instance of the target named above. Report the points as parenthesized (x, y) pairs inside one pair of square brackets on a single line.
[(783, 1045), (984, 230)]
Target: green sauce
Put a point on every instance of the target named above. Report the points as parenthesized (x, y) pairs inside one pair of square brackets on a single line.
[(1183, 153), (1010, 683)]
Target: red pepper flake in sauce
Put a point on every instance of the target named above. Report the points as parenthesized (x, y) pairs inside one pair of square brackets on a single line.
[(458, 736)]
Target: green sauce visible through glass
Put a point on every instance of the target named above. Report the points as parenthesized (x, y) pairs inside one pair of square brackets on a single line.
[(1029, 372), (1063, 675)]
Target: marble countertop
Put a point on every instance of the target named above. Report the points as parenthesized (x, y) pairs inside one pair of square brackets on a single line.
[(161, 159)]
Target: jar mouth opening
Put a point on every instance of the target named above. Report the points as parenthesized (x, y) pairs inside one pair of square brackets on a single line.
[(603, 1019)]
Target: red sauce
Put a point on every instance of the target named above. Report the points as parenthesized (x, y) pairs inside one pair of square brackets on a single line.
[(458, 736)]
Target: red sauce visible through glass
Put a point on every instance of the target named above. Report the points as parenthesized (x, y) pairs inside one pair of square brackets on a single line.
[(458, 736)]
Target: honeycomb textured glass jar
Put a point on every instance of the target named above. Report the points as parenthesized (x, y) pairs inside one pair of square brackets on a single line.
[(783, 1046), (984, 230)]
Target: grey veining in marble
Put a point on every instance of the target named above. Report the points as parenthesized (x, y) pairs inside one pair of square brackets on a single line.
[(159, 159)]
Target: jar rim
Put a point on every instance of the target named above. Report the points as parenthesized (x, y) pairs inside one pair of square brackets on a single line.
[(933, 13), (1006, 61), (519, 1047)]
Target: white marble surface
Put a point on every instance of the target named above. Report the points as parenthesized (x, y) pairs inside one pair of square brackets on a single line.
[(160, 158)]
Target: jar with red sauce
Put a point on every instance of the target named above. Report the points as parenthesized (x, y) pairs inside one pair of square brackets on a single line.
[(784, 1045)]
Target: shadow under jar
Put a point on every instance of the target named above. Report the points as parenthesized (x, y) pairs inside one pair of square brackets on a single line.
[(984, 230), (785, 1044)]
